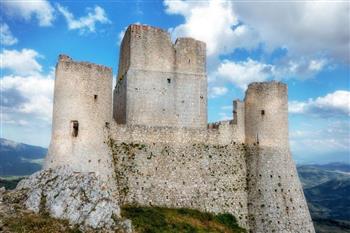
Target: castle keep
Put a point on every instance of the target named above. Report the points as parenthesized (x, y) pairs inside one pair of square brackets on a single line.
[(153, 145)]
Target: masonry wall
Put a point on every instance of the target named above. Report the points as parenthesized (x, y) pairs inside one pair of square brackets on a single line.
[(276, 202), (82, 94), (160, 83), (193, 168)]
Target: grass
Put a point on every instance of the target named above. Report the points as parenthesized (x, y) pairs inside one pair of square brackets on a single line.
[(35, 223), (167, 220)]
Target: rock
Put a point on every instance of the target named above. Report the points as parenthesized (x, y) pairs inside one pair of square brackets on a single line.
[(80, 198)]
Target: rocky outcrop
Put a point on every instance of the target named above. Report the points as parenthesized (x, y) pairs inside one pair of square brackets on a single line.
[(80, 198)]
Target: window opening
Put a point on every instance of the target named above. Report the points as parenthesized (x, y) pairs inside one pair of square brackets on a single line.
[(262, 112), (75, 128), (95, 97), (169, 80)]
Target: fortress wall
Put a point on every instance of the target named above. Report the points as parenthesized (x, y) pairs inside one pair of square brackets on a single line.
[(224, 133), (266, 114), (119, 100), (150, 48), (190, 56), (206, 176), (276, 201), (160, 83), (83, 94), (157, 98)]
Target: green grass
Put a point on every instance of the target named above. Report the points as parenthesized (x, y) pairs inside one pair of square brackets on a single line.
[(35, 223), (166, 220)]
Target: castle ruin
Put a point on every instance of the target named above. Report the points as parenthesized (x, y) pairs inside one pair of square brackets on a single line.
[(152, 144)]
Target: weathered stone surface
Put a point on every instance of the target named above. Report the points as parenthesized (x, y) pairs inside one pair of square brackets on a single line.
[(81, 198)]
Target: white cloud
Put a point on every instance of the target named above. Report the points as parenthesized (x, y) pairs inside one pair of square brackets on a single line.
[(35, 94), (20, 62), (245, 72), (86, 23), (333, 104), (213, 22), (318, 141), (303, 27), (40, 9), (6, 37), (217, 91)]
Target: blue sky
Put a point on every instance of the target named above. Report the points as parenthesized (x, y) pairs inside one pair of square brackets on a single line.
[(304, 44)]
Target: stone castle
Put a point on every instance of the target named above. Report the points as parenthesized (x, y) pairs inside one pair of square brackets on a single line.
[(151, 142)]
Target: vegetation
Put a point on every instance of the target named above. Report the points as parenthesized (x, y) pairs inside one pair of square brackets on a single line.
[(166, 220), (9, 183), (34, 223)]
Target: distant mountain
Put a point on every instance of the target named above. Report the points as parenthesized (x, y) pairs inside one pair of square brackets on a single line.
[(327, 191), (18, 159), (313, 175)]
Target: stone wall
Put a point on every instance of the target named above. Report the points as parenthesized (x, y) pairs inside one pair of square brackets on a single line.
[(82, 96), (160, 83), (266, 114), (276, 201), (201, 169)]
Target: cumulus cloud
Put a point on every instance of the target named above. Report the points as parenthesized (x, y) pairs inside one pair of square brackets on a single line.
[(333, 104), (303, 27), (217, 91), (23, 62), (213, 22), (6, 37), (245, 72), (26, 10), (85, 23), (27, 96)]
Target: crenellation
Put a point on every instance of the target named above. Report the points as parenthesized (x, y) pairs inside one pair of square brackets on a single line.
[(157, 149)]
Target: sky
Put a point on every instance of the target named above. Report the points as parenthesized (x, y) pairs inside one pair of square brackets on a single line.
[(305, 44)]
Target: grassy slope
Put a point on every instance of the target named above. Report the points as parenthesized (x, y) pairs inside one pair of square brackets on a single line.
[(26, 222), (166, 220)]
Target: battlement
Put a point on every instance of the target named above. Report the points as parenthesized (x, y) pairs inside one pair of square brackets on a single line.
[(160, 83), (150, 48), (67, 63)]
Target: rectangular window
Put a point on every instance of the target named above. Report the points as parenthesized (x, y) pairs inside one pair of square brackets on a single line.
[(74, 128)]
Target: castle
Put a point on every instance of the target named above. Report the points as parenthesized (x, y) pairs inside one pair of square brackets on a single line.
[(151, 142)]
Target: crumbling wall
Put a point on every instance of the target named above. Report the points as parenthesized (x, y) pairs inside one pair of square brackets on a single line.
[(201, 169)]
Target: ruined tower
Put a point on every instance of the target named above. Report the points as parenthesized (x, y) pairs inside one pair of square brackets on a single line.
[(82, 109), (276, 200), (160, 83)]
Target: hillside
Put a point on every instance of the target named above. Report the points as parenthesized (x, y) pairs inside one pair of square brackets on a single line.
[(327, 191), (18, 159)]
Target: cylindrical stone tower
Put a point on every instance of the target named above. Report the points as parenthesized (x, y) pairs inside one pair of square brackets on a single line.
[(82, 111), (276, 201)]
